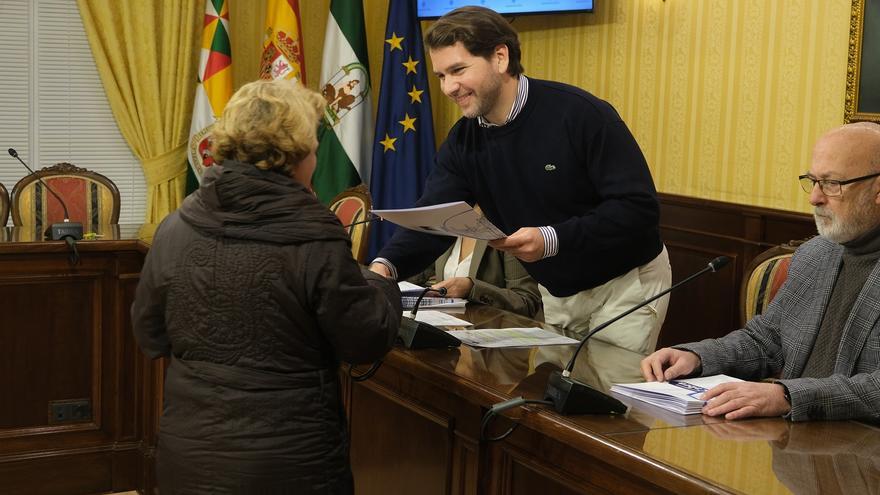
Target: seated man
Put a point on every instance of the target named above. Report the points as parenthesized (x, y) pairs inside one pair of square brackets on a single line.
[(821, 334), (472, 270)]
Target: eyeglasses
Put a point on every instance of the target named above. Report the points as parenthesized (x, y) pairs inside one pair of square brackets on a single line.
[(827, 186)]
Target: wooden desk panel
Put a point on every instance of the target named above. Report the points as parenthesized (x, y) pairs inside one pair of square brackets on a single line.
[(415, 424), (66, 335)]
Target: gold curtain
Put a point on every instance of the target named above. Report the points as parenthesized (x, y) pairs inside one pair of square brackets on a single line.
[(146, 53)]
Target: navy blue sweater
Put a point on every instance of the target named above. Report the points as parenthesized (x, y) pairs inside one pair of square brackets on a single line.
[(567, 161)]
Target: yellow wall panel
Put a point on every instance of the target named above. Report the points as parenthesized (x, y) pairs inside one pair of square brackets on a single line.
[(725, 97)]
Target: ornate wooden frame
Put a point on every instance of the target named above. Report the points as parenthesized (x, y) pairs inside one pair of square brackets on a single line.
[(854, 63), (63, 168), (4, 206), (361, 192)]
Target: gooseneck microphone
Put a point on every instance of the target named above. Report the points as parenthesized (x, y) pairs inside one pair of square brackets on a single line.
[(570, 396), (369, 219), (414, 334), (57, 231)]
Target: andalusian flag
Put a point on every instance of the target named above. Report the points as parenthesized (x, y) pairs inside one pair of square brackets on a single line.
[(282, 45), (347, 134), (214, 89)]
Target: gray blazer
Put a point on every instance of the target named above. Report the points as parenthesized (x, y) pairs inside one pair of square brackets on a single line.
[(778, 343), (499, 280)]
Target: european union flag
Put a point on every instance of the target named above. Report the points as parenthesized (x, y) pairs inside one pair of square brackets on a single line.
[(403, 152)]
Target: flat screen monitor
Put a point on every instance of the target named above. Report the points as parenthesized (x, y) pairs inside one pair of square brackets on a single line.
[(432, 9)]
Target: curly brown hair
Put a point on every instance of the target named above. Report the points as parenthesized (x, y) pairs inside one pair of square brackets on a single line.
[(270, 124)]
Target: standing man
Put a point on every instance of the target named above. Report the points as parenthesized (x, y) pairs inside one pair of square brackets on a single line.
[(818, 343), (557, 169)]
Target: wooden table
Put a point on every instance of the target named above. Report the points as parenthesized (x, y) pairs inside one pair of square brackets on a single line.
[(415, 429)]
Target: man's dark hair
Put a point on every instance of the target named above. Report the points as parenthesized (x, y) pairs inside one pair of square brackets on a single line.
[(480, 30)]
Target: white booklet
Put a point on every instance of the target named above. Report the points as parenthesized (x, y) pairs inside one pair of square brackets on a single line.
[(680, 396), (452, 219), (511, 337), (410, 292)]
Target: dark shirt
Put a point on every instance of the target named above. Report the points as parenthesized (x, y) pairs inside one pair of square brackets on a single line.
[(567, 161), (859, 258)]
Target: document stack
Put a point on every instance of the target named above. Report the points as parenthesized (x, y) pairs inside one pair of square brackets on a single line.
[(679, 396)]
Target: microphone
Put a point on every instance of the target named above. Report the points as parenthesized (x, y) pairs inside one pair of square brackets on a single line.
[(414, 334), (366, 220), (57, 231), (570, 396)]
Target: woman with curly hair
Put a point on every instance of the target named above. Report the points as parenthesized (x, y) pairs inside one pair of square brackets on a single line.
[(251, 290)]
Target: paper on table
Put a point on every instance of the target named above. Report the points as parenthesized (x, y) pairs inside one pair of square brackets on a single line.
[(510, 337), (439, 319), (410, 293), (681, 396), (433, 302), (452, 219)]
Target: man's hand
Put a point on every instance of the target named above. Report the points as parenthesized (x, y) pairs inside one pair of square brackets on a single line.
[(737, 400), (526, 244), (667, 364), (380, 269), (456, 286)]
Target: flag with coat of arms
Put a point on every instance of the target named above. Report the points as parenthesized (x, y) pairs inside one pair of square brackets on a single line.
[(346, 133), (403, 149), (213, 91), (283, 56)]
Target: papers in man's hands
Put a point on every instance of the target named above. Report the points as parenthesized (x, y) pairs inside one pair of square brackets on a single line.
[(680, 396), (510, 337), (451, 219)]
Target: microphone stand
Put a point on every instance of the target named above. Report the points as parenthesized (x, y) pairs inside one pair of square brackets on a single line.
[(570, 396), (414, 335), (57, 231)]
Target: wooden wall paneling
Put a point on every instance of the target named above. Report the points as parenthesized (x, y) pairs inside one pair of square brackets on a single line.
[(695, 231)]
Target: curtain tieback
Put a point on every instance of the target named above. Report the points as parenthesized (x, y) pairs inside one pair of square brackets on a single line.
[(165, 167)]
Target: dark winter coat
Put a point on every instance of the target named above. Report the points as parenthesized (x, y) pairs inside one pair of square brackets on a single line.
[(251, 289)]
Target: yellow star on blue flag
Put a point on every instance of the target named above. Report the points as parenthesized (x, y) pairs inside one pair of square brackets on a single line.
[(403, 159)]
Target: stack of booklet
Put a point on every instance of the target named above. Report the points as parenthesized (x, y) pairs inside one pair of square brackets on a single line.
[(680, 396), (409, 294)]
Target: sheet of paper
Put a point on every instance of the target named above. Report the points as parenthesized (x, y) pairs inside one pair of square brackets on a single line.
[(409, 287), (439, 319), (511, 337), (452, 219)]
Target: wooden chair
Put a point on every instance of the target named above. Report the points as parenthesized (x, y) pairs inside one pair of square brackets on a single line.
[(764, 277), (353, 205), (91, 198), (4, 206)]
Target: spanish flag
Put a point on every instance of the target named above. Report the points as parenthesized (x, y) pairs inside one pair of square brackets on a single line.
[(282, 42), (214, 88)]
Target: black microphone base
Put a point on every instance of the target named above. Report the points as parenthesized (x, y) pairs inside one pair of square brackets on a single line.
[(570, 396), (419, 335), (61, 230)]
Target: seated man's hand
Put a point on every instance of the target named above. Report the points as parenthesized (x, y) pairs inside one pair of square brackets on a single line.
[(667, 364), (456, 286), (737, 400), (526, 244), (380, 269)]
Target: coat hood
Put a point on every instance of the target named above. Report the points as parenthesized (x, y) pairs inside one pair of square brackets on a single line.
[(240, 201)]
